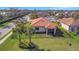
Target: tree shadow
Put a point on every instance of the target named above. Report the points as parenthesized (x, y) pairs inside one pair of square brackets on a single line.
[(36, 48), (32, 47)]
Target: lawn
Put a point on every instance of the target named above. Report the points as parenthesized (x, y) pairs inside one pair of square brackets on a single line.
[(10, 45), (60, 42), (44, 43)]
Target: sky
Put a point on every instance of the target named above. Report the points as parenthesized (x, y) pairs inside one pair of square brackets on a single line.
[(39, 3), (44, 8)]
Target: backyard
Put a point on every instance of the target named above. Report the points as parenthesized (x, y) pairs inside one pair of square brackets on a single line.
[(62, 41), (49, 43)]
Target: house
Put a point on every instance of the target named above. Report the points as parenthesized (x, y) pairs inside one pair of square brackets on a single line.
[(3, 13), (42, 24), (43, 14), (51, 18), (70, 24)]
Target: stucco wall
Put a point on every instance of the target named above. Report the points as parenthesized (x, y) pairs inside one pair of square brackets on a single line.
[(40, 30), (65, 26), (74, 28)]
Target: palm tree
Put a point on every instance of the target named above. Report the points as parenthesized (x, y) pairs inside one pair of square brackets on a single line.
[(23, 27), (29, 30), (18, 29)]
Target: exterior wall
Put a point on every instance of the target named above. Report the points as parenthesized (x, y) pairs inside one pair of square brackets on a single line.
[(65, 26), (70, 28), (77, 31), (41, 29), (73, 29), (28, 18)]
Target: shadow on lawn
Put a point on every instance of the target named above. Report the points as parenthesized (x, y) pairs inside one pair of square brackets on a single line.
[(32, 47)]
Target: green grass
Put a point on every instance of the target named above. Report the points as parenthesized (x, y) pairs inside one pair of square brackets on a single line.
[(55, 43), (43, 42), (73, 36), (46, 43), (10, 44)]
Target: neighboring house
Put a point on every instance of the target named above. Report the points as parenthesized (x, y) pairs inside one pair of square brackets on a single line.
[(41, 24), (43, 14), (70, 24), (22, 19), (3, 13), (28, 17), (51, 18)]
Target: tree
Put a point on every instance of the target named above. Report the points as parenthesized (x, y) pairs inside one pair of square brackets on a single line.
[(28, 27), (24, 27), (19, 29), (1, 17), (76, 16), (34, 15)]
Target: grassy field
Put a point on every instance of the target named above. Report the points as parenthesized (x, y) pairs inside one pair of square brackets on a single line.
[(43, 42)]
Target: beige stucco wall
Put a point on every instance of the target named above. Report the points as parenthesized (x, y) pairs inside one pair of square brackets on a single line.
[(41, 29), (69, 28), (65, 26)]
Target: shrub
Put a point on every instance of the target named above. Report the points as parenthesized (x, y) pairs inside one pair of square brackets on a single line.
[(32, 45), (23, 45), (26, 45)]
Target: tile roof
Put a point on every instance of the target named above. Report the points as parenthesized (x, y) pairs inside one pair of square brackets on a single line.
[(42, 22), (69, 21)]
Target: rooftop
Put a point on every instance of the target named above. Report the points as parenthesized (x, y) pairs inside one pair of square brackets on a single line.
[(70, 21), (43, 22)]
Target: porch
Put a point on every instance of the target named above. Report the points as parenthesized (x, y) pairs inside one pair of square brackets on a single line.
[(42, 30)]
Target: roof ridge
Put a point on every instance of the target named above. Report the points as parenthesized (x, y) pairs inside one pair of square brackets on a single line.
[(37, 20)]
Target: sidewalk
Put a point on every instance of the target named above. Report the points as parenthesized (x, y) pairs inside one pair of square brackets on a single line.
[(4, 30), (1, 41)]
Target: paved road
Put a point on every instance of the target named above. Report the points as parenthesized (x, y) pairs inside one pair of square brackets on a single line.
[(4, 30)]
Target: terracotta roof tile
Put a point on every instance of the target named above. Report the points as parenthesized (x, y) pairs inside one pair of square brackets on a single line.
[(42, 22), (69, 21)]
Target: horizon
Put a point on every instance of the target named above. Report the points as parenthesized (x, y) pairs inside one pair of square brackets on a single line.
[(42, 8)]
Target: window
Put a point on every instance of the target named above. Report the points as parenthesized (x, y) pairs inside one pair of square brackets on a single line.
[(36, 28), (77, 28), (72, 29)]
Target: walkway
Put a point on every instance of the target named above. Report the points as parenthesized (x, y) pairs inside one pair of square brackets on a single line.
[(1, 41), (4, 30)]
